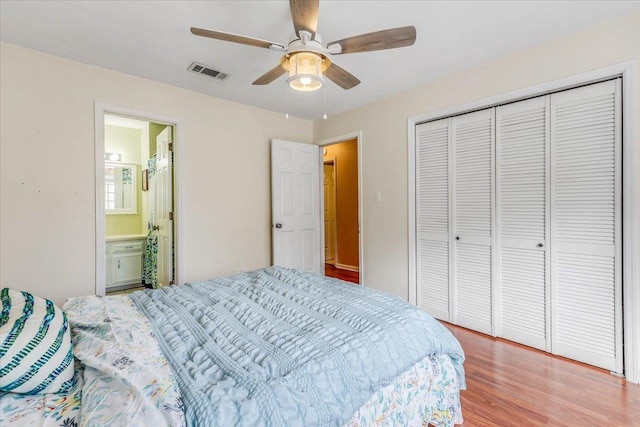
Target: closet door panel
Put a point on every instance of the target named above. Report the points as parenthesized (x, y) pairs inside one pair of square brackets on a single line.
[(472, 142), (522, 160), (586, 256), (473, 287), (522, 297), (432, 213)]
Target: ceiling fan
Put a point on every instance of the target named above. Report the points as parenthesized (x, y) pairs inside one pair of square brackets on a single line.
[(306, 59)]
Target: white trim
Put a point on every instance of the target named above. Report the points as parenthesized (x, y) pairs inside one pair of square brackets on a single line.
[(101, 256), (330, 141), (347, 267), (630, 221), (619, 365), (100, 111), (630, 187), (411, 166), (323, 260), (335, 207), (334, 162)]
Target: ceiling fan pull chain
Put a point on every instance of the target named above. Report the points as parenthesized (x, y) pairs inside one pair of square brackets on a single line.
[(324, 106), (286, 97)]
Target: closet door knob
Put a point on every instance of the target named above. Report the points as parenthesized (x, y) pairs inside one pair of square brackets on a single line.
[(457, 237), (540, 245), (278, 225)]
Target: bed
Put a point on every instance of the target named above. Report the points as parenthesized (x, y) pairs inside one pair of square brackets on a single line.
[(272, 347)]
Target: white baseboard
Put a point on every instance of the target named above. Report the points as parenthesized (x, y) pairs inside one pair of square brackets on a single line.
[(347, 267)]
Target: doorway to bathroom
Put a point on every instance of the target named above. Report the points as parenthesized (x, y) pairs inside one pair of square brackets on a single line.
[(135, 181)]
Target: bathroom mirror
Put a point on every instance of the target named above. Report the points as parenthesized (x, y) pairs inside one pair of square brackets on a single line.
[(120, 188)]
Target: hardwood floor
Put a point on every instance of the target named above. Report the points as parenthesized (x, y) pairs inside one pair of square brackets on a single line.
[(346, 275), (513, 385)]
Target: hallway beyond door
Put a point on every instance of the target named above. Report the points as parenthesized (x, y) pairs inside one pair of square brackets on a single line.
[(339, 273)]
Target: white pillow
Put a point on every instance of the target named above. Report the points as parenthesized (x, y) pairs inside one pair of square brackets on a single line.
[(36, 355)]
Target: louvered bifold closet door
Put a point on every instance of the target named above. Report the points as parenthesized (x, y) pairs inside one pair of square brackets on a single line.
[(472, 147), (432, 213), (585, 224), (522, 196)]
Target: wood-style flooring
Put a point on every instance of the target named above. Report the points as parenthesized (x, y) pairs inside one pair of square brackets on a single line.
[(338, 273), (513, 385)]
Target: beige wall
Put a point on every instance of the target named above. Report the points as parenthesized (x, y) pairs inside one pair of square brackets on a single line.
[(346, 184), (47, 219), (384, 129)]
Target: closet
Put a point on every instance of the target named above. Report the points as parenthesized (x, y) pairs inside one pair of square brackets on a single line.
[(518, 222)]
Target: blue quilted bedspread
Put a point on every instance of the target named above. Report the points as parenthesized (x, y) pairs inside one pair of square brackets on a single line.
[(278, 347)]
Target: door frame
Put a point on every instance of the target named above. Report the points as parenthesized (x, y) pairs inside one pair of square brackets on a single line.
[(101, 110), (357, 135), (334, 162), (630, 189)]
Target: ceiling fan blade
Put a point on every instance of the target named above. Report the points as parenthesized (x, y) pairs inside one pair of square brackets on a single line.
[(380, 40), (270, 75), (305, 15), (341, 77), (234, 38)]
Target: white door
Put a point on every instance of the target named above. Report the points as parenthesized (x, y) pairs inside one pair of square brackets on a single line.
[(472, 149), (295, 205), (586, 225), (164, 207), (522, 199), (432, 213), (329, 212)]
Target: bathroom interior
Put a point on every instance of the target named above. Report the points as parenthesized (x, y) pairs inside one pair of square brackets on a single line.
[(134, 241)]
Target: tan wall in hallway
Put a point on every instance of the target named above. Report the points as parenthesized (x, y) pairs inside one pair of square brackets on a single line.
[(347, 241)]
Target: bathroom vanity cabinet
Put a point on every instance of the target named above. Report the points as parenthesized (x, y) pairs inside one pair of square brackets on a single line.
[(125, 260)]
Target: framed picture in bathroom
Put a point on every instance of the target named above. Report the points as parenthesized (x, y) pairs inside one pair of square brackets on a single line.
[(145, 180)]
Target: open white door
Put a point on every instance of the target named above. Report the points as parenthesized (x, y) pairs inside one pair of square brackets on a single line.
[(164, 207), (295, 202)]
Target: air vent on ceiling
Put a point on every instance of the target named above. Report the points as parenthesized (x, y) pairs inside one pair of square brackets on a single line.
[(203, 69)]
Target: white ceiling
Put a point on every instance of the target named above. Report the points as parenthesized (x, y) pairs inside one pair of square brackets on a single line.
[(151, 39)]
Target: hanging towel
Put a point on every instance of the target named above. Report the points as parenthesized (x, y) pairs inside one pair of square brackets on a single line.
[(150, 274)]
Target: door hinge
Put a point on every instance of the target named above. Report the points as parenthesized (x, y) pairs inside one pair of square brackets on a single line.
[(170, 216), (171, 146)]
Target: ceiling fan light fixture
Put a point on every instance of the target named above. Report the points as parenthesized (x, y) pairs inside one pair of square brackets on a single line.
[(306, 58), (305, 71)]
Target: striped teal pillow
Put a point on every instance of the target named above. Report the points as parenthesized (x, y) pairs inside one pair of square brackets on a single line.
[(36, 355)]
